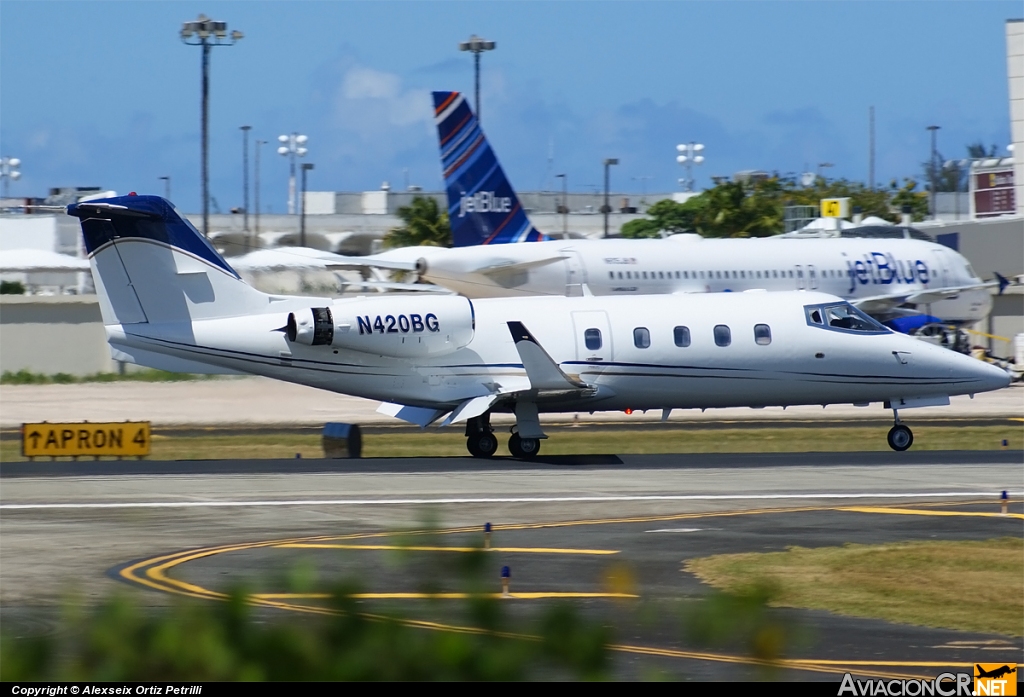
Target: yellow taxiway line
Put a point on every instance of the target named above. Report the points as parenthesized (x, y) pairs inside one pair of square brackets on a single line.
[(414, 548)]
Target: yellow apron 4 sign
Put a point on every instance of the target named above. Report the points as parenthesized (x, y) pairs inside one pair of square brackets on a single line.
[(121, 439)]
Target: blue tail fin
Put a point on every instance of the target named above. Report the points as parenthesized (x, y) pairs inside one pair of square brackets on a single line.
[(482, 206)]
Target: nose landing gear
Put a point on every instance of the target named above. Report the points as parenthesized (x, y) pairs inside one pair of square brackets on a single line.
[(900, 437)]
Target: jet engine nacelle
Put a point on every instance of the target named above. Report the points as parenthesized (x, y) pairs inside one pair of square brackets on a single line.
[(396, 326)]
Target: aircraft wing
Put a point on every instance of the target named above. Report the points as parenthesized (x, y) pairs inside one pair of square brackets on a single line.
[(545, 376), (508, 267), (342, 263), (392, 285), (882, 303)]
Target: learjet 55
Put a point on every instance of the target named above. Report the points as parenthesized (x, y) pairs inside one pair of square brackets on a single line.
[(170, 301)]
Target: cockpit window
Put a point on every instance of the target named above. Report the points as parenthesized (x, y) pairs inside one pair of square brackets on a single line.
[(842, 317)]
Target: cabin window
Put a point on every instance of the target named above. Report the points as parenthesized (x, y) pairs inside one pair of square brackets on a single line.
[(734, 274), (677, 274), (759, 274), (723, 335), (762, 334), (645, 275), (685, 274), (629, 274), (641, 337), (718, 274), (661, 274), (620, 275), (592, 338), (611, 275), (681, 336), (743, 274), (791, 273), (702, 274), (775, 274)]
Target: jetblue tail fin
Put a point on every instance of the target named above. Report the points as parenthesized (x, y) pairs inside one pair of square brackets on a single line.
[(151, 265), (482, 206)]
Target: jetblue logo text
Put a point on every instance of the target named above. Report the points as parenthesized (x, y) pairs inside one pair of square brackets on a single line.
[(884, 269), (402, 324), (484, 202)]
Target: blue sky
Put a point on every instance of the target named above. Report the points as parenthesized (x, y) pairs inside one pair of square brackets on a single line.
[(104, 93)]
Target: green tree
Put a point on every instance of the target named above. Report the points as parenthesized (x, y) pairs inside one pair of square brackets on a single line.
[(641, 227), (908, 195), (977, 150), (424, 224)]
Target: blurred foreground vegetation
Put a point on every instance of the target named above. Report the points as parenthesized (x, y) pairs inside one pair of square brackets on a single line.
[(342, 638)]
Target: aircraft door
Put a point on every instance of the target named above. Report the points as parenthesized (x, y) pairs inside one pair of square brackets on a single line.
[(812, 277), (575, 273), (799, 277), (593, 336), (940, 269)]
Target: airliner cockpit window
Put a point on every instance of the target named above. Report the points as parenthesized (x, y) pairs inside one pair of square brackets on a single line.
[(843, 317)]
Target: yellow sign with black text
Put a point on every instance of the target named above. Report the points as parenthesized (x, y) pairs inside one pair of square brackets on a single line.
[(124, 439), (995, 679), (835, 207)]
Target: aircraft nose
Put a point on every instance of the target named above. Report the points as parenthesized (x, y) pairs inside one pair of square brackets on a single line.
[(986, 376)]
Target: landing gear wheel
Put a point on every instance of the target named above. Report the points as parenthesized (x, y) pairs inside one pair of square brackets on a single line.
[(900, 437), (482, 445), (523, 448)]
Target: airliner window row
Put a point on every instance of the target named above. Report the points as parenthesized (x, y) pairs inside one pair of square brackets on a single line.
[(681, 336), (714, 275)]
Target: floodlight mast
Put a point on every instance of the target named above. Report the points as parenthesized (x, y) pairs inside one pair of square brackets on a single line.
[(476, 45), (292, 146), (207, 33), (689, 155), (9, 172)]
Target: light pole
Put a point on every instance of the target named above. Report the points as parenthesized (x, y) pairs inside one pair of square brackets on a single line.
[(9, 172), (256, 188), (931, 173), (606, 208), (565, 204), (688, 157), (207, 33), (477, 46), (245, 183), (291, 147), (167, 186), (306, 166)]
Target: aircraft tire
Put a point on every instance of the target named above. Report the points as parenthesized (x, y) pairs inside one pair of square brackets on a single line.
[(523, 448), (900, 437), (482, 445)]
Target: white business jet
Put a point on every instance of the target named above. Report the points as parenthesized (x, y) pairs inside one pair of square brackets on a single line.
[(906, 282), (170, 301)]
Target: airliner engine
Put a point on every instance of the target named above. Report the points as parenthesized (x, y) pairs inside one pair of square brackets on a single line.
[(396, 326)]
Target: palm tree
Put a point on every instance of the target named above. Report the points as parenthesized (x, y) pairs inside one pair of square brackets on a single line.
[(423, 224)]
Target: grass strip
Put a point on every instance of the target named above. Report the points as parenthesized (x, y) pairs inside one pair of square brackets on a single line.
[(586, 440), (968, 585), (27, 377)]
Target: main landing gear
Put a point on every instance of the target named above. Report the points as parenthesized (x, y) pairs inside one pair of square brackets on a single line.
[(480, 440), (900, 437), (523, 448)]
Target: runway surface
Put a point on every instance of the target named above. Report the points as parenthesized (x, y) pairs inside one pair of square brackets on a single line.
[(195, 527)]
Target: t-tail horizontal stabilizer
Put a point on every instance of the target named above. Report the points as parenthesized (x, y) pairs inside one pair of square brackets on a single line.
[(544, 373)]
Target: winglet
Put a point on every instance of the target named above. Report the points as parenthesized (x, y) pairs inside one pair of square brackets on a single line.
[(542, 370), (1003, 282)]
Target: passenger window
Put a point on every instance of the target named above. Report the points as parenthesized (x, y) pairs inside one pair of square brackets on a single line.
[(629, 274), (592, 338), (641, 337), (743, 274), (762, 334), (759, 274), (682, 336), (611, 275), (661, 274), (685, 274), (718, 274), (645, 275), (620, 275), (723, 335), (677, 274), (775, 274), (734, 274)]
